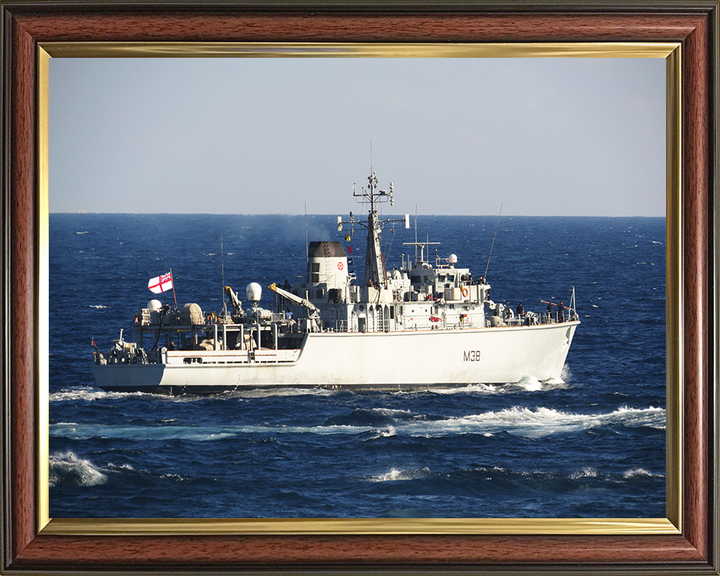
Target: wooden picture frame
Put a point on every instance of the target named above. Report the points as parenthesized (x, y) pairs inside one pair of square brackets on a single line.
[(30, 546)]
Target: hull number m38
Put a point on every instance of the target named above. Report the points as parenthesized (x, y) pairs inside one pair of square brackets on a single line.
[(471, 356)]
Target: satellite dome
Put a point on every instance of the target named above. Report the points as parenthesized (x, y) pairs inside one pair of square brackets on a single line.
[(453, 259), (154, 305), (253, 291)]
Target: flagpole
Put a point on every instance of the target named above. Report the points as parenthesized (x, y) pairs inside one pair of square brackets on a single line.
[(173, 285)]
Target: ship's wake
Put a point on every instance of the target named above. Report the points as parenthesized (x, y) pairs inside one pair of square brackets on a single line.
[(91, 394), (517, 421)]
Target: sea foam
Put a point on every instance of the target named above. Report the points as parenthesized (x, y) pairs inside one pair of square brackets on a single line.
[(524, 422), (395, 475), (641, 473), (68, 469), (87, 394), (139, 433), (586, 472)]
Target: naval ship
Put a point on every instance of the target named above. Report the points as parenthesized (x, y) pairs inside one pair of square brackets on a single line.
[(424, 325)]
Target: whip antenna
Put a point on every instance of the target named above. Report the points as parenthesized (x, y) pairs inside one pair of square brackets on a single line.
[(222, 270), (493, 242), (416, 244)]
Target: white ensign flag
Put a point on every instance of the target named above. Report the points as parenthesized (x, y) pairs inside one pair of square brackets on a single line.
[(161, 283)]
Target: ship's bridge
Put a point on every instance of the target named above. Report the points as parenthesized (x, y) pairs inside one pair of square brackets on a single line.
[(452, 278), (440, 278)]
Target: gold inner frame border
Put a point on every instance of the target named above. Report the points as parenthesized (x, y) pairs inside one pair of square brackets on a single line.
[(670, 51)]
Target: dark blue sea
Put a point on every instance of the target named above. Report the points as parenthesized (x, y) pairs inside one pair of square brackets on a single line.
[(593, 446)]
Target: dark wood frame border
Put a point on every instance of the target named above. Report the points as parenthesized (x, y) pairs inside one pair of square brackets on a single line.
[(25, 24)]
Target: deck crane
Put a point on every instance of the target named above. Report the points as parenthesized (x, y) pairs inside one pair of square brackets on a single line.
[(234, 301), (294, 299)]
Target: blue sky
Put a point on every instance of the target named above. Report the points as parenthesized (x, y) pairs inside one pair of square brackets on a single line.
[(542, 136)]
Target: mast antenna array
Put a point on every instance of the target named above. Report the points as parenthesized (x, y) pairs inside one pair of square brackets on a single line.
[(374, 264)]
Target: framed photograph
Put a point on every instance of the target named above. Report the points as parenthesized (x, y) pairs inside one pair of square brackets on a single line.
[(414, 538)]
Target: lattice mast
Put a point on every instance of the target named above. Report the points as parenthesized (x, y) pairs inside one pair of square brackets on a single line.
[(374, 262)]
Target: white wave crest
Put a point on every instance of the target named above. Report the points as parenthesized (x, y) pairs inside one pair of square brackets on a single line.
[(586, 472), (66, 468), (526, 384), (98, 306), (531, 423), (126, 467), (652, 417), (640, 473), (395, 475), (392, 412), (523, 422), (86, 394)]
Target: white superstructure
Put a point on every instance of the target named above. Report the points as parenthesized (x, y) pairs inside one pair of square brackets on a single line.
[(421, 326)]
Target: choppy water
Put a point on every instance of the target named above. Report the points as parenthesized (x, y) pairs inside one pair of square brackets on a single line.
[(591, 446)]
